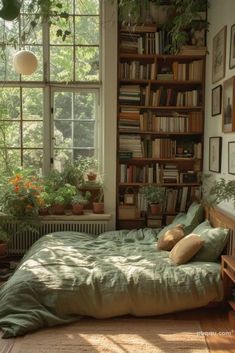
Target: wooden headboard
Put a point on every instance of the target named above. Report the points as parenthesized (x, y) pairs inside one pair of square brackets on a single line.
[(219, 218)]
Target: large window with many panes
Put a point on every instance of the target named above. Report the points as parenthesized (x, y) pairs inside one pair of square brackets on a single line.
[(52, 115)]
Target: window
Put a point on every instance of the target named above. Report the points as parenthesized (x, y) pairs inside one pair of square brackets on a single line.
[(52, 115)]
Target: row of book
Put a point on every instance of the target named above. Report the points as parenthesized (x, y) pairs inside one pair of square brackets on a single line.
[(135, 70), (159, 148), (134, 120), (155, 173), (145, 43), (162, 96)]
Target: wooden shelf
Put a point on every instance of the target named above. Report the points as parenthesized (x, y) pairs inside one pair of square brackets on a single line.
[(161, 107), (177, 57), (162, 82), (170, 160), (160, 133), (160, 184)]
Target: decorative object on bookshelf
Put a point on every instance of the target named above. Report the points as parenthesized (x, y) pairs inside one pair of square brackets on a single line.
[(215, 148), (228, 105), (219, 55), (155, 197), (216, 99), (231, 157), (232, 48)]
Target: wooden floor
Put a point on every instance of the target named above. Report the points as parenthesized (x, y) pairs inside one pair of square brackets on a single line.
[(215, 324)]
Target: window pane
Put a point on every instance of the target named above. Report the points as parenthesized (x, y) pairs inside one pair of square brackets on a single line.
[(32, 100), (87, 30), (9, 134), (61, 24), (10, 103), (7, 72), (84, 7), (33, 159), (84, 134), (63, 105), (61, 63), (9, 159), (33, 134), (63, 134), (87, 63), (61, 156), (85, 152), (30, 36), (85, 106)]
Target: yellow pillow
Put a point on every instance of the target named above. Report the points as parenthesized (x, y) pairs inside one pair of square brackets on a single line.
[(170, 238), (186, 248)]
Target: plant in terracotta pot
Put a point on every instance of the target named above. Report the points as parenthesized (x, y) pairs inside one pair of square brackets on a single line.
[(155, 197), (98, 203), (4, 238), (79, 200), (61, 198)]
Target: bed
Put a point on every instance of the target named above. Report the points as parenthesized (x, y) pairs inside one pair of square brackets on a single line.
[(68, 275)]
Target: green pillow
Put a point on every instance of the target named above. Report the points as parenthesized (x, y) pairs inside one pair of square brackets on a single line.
[(190, 220), (215, 240)]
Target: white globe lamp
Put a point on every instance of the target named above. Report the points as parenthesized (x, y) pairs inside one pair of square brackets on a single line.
[(25, 62)]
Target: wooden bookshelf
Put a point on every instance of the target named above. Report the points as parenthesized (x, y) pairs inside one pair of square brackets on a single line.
[(160, 123)]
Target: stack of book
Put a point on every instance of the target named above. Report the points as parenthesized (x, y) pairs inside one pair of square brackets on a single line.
[(129, 94), (131, 144), (129, 119)]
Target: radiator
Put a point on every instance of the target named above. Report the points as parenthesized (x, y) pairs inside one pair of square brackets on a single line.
[(21, 241)]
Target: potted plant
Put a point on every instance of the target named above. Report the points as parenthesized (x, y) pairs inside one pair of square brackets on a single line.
[(4, 238), (79, 200), (155, 197), (98, 203), (61, 198), (88, 167)]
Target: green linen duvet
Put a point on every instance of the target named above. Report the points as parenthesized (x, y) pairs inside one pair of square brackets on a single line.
[(67, 275)]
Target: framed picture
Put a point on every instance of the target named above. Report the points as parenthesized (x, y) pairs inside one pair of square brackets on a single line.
[(216, 99), (231, 157), (228, 105), (232, 48), (219, 55), (215, 146)]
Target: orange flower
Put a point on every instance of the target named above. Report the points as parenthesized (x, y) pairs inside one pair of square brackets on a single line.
[(16, 189)]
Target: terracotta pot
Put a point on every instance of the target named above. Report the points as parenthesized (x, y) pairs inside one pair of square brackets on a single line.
[(57, 209), (91, 177), (3, 249), (43, 211), (78, 208), (155, 208), (98, 207)]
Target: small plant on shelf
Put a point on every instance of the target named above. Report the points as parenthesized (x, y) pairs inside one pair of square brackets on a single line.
[(155, 197), (98, 203)]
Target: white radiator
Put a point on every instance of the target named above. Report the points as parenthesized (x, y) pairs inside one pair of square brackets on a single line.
[(21, 241)]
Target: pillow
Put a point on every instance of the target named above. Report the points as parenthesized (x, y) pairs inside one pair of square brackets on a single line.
[(190, 220), (185, 249), (215, 240), (170, 238)]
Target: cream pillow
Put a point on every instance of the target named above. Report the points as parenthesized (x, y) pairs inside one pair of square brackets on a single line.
[(170, 238), (186, 248)]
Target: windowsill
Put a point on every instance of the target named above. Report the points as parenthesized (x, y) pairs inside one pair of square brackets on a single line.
[(87, 216), (68, 216)]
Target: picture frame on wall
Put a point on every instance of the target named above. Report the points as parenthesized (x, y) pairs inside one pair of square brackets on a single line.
[(215, 149), (231, 157), (219, 55), (228, 120), (232, 48), (216, 100)]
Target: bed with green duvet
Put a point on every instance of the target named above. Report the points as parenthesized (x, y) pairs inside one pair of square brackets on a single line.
[(68, 275)]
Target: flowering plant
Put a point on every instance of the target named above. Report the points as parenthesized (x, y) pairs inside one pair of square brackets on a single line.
[(20, 195)]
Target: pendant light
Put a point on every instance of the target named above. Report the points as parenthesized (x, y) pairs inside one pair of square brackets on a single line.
[(25, 62)]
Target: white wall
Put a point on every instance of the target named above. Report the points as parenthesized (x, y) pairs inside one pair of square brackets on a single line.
[(220, 13), (109, 105)]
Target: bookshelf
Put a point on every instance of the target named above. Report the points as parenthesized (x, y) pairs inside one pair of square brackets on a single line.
[(160, 125)]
